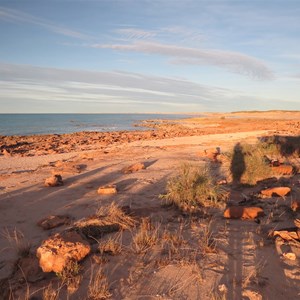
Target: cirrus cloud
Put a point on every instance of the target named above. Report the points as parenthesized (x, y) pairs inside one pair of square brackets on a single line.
[(232, 61)]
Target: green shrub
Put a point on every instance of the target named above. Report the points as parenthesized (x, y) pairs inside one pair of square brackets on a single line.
[(194, 187)]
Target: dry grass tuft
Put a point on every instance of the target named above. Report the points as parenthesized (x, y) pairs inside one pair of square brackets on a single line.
[(206, 241), (98, 288), (112, 246), (50, 293), (112, 214), (70, 277), (194, 187), (17, 241), (146, 237)]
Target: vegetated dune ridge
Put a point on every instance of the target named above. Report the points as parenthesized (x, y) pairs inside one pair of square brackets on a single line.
[(176, 246)]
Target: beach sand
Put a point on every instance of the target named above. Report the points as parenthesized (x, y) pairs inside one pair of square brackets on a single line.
[(245, 262)]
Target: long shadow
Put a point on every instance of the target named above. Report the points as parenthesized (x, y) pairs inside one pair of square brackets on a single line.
[(238, 165), (238, 249), (287, 145)]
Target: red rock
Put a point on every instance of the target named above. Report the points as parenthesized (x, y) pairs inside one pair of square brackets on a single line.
[(56, 252), (283, 170), (295, 205), (108, 189), (133, 168), (240, 212), (6, 153), (211, 154), (55, 180), (286, 235), (276, 192), (53, 221)]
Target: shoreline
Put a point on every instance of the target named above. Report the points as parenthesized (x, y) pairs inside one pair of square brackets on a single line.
[(44, 144)]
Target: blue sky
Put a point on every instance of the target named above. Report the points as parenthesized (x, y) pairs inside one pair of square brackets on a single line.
[(101, 56)]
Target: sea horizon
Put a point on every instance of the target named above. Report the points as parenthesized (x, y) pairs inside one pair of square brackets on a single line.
[(61, 123)]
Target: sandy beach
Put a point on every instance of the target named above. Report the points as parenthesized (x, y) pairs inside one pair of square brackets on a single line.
[(245, 262)]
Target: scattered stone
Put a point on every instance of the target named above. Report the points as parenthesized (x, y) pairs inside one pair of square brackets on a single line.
[(295, 205), (211, 154), (107, 190), (133, 168), (286, 235), (53, 221), (282, 170), (239, 212), (56, 252), (6, 153), (55, 180), (67, 167), (251, 295), (276, 192), (289, 255), (222, 182)]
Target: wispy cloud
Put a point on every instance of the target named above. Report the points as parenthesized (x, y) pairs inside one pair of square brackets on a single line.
[(12, 15), (132, 91), (136, 34), (229, 60)]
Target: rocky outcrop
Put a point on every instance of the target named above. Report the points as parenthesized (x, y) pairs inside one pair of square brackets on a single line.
[(57, 251), (240, 212), (55, 180)]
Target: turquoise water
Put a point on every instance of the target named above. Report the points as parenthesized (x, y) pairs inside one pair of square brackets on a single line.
[(27, 124)]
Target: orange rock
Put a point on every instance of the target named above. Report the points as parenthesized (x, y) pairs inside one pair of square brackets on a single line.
[(295, 205), (286, 235), (276, 191), (6, 153), (56, 252), (240, 212), (283, 170), (211, 154), (108, 189), (55, 180), (133, 168)]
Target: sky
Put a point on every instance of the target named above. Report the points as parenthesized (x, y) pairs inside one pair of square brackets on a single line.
[(149, 56)]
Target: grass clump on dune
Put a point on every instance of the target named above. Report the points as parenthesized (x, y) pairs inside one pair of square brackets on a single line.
[(194, 187)]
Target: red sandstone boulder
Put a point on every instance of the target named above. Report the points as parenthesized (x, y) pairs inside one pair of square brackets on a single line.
[(107, 189), (56, 252), (55, 180), (283, 170), (240, 212), (133, 168), (276, 192)]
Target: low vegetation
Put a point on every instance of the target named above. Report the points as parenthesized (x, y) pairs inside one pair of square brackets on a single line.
[(248, 163), (98, 288), (194, 187)]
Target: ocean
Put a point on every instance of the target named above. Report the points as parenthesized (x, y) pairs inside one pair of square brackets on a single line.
[(29, 124)]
